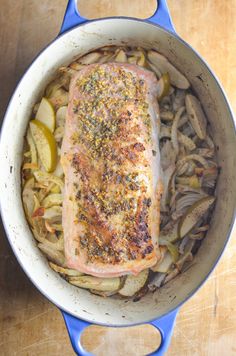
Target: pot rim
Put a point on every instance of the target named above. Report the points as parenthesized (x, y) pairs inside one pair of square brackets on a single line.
[(226, 103)]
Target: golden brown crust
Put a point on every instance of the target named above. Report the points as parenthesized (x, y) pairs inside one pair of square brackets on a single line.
[(111, 148)]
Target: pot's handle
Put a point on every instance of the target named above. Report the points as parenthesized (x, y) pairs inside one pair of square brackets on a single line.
[(76, 326), (162, 16), (73, 18), (165, 325)]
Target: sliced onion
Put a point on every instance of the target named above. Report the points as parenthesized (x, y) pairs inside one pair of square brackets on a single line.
[(167, 174), (106, 58), (208, 175), (186, 189), (166, 115), (193, 181), (165, 103), (187, 256), (164, 218), (45, 178), (65, 271), (68, 71), (28, 198), (59, 170), (108, 49), (132, 60), (100, 284), (41, 237), (36, 204), (205, 152), (209, 183), (90, 58), (173, 200), (176, 215), (186, 141), (197, 236), (183, 244), (53, 87), (179, 99), (193, 157), (27, 154), (35, 108), (209, 142), (51, 200), (165, 131), (75, 66), (31, 166), (173, 251), (168, 155), (183, 120), (171, 275), (53, 212), (182, 169), (121, 57), (33, 151), (188, 130), (191, 168), (103, 293), (202, 228), (169, 233), (154, 69), (49, 227), (182, 152), (157, 281), (59, 133), (163, 250), (57, 227), (174, 130), (59, 98), (52, 254), (61, 116), (172, 183), (187, 200)]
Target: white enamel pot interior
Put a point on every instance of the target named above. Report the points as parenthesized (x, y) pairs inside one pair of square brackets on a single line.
[(62, 51)]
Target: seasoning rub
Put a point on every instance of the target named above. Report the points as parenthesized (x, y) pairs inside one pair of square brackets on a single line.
[(111, 161)]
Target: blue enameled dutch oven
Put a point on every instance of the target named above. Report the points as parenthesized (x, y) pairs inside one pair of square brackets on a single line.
[(79, 307)]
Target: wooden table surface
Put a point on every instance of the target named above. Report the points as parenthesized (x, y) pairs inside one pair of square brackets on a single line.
[(29, 324)]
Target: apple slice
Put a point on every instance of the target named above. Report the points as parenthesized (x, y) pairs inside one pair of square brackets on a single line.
[(163, 65), (65, 271), (121, 57), (134, 283), (164, 265), (45, 144), (196, 115), (61, 116), (163, 86), (46, 114), (100, 284), (52, 200), (193, 214)]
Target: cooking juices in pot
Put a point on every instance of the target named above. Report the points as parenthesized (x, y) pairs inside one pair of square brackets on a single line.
[(187, 167)]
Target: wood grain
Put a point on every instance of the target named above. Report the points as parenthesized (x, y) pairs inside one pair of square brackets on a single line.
[(29, 324)]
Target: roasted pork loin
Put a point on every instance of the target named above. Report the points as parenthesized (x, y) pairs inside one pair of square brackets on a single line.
[(111, 161)]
